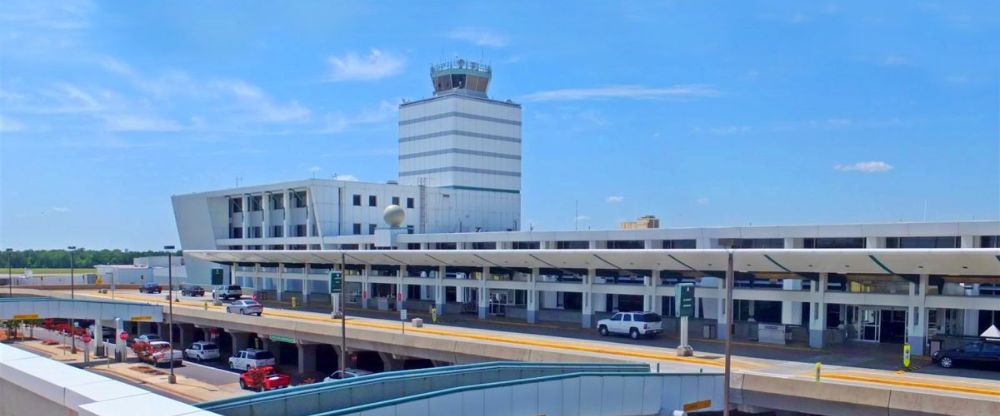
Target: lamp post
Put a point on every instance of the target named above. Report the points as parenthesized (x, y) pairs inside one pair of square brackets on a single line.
[(730, 282), (10, 280), (72, 295), (170, 322)]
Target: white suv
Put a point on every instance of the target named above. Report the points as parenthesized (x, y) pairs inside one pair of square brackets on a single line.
[(250, 358), (634, 324), (202, 350)]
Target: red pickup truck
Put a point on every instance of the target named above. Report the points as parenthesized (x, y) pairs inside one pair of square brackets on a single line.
[(264, 378)]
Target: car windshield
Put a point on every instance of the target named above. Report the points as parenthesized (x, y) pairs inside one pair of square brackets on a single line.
[(251, 303), (647, 317), (233, 288), (209, 346)]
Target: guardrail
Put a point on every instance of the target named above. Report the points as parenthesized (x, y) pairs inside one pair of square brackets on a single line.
[(315, 398)]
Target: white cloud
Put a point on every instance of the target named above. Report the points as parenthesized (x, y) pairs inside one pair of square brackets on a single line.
[(894, 60), (376, 65), (60, 209), (624, 92), (338, 122), (260, 107), (874, 166), (723, 130), (479, 36), (349, 178), (135, 122), (702, 201), (8, 125), (614, 199)]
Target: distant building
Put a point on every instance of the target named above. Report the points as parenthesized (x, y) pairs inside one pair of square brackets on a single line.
[(645, 221)]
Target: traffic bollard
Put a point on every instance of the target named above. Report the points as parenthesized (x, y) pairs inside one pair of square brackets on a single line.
[(819, 368)]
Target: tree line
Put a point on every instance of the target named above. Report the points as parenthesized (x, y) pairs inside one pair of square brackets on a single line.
[(59, 259)]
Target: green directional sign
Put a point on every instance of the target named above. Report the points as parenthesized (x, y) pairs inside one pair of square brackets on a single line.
[(336, 281), (282, 338), (217, 277), (684, 300)]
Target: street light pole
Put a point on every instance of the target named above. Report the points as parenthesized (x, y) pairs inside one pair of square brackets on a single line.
[(172, 379), (10, 279), (730, 280), (72, 295), (343, 312)]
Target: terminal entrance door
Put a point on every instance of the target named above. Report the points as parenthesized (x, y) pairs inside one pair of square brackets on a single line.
[(869, 323)]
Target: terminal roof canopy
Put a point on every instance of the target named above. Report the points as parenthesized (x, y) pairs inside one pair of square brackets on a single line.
[(953, 262)]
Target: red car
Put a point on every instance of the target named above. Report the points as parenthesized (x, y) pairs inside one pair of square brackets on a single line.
[(264, 378)]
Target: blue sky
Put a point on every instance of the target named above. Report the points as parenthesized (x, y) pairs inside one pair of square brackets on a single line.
[(703, 113)]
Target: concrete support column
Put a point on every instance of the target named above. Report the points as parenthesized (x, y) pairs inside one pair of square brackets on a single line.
[(791, 312), (916, 316), (817, 312), (647, 298), (484, 298), (587, 301), (401, 291), (305, 284), (657, 299), (265, 202), (280, 280), (366, 286), (532, 310), (439, 298), (307, 357), (246, 216), (874, 242), (722, 311), (241, 340), (286, 200), (390, 362), (186, 332), (970, 317)]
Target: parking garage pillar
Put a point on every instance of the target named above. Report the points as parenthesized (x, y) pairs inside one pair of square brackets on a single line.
[(241, 340), (817, 312), (307, 357), (390, 362), (587, 300), (791, 312), (484, 298), (657, 299), (186, 332), (401, 291), (439, 298), (647, 297)]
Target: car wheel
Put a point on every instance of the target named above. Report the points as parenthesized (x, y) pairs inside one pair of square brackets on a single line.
[(633, 333), (259, 313), (243, 384), (946, 362), (603, 330)]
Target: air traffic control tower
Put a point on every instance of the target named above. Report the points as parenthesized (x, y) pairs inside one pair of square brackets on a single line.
[(463, 140), (460, 138)]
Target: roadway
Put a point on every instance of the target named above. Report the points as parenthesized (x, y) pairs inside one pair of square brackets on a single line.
[(785, 363)]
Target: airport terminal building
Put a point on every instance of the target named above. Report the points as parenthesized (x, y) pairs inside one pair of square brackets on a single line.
[(459, 187)]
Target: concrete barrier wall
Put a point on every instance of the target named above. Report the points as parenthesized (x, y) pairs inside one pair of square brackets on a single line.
[(837, 398), (34, 385), (607, 395)]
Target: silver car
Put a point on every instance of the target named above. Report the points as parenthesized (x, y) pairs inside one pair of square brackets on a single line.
[(245, 307)]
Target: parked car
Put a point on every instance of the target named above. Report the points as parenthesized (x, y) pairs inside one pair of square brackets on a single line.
[(202, 350), (188, 289), (245, 307), (633, 324), (348, 373), (980, 352), (264, 378), (250, 358), (150, 287), (229, 292), (160, 352), (147, 338)]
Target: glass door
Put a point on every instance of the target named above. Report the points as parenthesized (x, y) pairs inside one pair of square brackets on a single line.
[(869, 324)]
